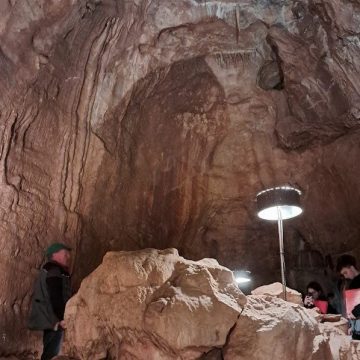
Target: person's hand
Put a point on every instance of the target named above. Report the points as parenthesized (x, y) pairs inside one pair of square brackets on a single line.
[(62, 324), (351, 316), (309, 301)]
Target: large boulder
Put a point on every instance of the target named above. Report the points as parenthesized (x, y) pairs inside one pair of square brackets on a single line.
[(152, 304)]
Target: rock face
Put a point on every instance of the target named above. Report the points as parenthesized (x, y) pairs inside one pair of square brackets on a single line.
[(154, 123), (152, 304)]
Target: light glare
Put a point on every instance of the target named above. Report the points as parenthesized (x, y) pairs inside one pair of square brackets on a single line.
[(286, 211), (242, 280)]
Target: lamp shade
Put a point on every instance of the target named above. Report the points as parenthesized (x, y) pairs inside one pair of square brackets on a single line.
[(282, 201)]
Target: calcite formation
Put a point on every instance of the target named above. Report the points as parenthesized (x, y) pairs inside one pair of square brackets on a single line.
[(154, 123)]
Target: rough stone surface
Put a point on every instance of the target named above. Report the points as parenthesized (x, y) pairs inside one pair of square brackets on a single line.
[(336, 333), (152, 304), (350, 351), (271, 328), (153, 123), (276, 290)]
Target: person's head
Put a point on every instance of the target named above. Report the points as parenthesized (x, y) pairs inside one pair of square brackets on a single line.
[(59, 253), (346, 266), (314, 289)]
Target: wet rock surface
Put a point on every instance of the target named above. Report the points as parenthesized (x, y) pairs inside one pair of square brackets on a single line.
[(127, 125)]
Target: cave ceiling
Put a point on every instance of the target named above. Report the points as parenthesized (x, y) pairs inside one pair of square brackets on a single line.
[(134, 124)]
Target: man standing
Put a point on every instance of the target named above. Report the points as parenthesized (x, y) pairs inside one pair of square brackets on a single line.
[(51, 292), (346, 266)]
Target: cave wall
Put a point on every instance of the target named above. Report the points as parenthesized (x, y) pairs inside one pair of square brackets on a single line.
[(127, 125)]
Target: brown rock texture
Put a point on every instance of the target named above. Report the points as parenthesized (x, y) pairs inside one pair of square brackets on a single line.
[(152, 304), (154, 123)]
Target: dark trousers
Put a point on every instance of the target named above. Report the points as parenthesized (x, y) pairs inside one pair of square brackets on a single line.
[(52, 343)]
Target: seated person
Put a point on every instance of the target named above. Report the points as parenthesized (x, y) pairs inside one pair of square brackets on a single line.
[(315, 298)]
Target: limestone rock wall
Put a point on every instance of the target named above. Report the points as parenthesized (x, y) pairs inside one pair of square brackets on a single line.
[(151, 123)]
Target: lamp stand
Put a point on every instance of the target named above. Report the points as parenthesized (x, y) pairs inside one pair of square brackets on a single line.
[(279, 203), (282, 254)]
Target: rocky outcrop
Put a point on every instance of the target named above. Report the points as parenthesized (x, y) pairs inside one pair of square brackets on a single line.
[(152, 304)]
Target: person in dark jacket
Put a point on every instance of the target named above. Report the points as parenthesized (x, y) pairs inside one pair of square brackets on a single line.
[(346, 266), (51, 292)]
